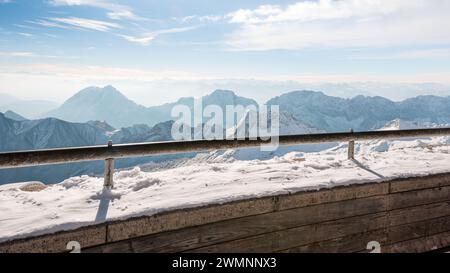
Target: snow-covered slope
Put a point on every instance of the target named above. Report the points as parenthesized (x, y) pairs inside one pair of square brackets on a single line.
[(288, 125), (398, 124), (213, 179)]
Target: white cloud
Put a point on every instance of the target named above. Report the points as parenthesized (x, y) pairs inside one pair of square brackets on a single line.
[(46, 23), (79, 23), (27, 54), (344, 23), (436, 53), (122, 14), (143, 40), (115, 11), (25, 34), (147, 38), (321, 10), (72, 72), (88, 72), (17, 54), (204, 18)]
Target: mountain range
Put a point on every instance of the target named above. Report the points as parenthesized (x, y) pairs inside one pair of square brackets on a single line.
[(94, 103), (360, 113), (46, 133), (311, 108)]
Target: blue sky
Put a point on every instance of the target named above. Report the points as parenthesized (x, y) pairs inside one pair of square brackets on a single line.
[(52, 48)]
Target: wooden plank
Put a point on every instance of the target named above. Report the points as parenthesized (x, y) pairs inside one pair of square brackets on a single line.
[(332, 195), (418, 197), (418, 229), (419, 213), (290, 238), (57, 242), (183, 240), (423, 244), (195, 237), (142, 226), (173, 220), (347, 244), (417, 183)]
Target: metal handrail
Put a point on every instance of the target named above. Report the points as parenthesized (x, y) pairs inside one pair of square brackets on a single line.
[(110, 152)]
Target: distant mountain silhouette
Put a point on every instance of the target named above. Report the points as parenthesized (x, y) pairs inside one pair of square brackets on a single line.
[(360, 113), (311, 108), (27, 108), (14, 116), (94, 103), (110, 105)]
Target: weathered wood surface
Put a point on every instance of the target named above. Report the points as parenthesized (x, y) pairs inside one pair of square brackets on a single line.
[(193, 217), (418, 197), (285, 239), (87, 237), (417, 229), (422, 244), (348, 244), (418, 213), (404, 215), (417, 183), (195, 237)]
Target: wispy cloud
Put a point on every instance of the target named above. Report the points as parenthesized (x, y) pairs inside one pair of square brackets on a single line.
[(28, 54), (6, 1), (107, 74), (77, 23), (24, 26), (25, 34), (17, 54), (337, 24), (203, 18), (434, 53), (147, 38), (143, 40), (87, 23), (87, 72), (114, 11)]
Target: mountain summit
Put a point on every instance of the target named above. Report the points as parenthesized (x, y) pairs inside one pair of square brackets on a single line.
[(94, 103)]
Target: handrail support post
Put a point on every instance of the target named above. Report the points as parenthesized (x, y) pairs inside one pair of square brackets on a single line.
[(109, 170), (109, 173), (351, 147)]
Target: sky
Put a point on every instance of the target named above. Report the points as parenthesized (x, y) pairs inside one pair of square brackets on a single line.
[(155, 51)]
